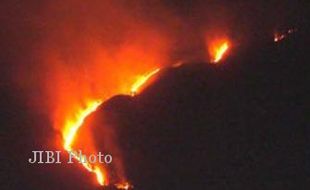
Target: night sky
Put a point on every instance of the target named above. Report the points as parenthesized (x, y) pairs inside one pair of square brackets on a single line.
[(241, 124)]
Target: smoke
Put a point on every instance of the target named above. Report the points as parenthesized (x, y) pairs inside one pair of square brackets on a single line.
[(93, 51), (41, 37)]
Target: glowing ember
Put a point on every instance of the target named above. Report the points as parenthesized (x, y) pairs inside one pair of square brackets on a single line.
[(123, 186), (279, 36), (217, 49), (177, 64), (70, 130), (141, 80)]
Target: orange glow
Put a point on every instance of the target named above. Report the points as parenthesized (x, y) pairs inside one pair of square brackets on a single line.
[(69, 134), (73, 124), (99, 174), (76, 68), (73, 90), (217, 49), (123, 186), (177, 64), (141, 80)]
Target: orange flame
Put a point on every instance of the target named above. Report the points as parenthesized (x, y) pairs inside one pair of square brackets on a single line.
[(123, 186), (69, 133), (217, 49), (81, 66), (141, 80), (72, 126)]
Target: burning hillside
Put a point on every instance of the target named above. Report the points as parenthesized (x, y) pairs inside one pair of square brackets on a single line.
[(136, 80)]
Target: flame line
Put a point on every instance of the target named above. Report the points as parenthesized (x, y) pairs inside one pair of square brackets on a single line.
[(142, 80), (71, 128), (220, 52)]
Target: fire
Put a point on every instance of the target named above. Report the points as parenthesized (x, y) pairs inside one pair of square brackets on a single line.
[(217, 49), (78, 67), (142, 80), (69, 134), (123, 186), (99, 174), (72, 126), (279, 36)]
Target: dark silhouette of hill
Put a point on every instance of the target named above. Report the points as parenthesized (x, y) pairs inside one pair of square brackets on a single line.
[(238, 125)]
